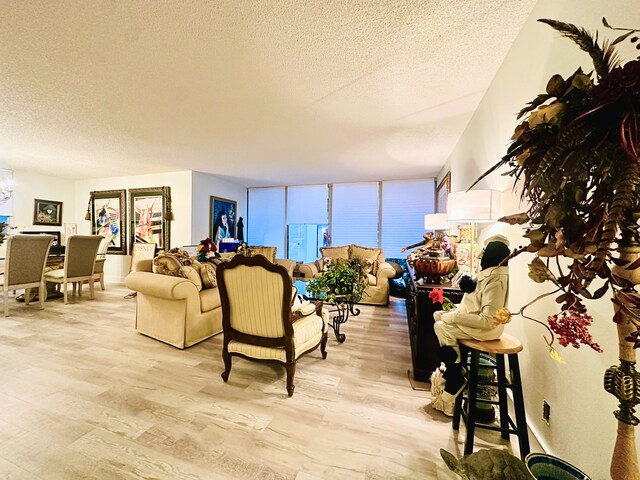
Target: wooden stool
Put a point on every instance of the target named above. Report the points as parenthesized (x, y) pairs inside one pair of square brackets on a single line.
[(505, 345)]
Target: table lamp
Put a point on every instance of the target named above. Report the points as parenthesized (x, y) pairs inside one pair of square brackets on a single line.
[(473, 207)]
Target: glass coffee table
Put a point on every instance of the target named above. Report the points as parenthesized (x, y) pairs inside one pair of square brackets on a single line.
[(342, 308)]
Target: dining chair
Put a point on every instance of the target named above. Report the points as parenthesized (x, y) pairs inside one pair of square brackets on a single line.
[(24, 266), (79, 264), (98, 271), (258, 321)]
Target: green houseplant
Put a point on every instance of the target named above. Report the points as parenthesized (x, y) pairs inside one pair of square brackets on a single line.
[(343, 278), (575, 155)]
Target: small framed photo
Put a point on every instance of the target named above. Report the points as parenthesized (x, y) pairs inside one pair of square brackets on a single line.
[(141, 251), (70, 229), (47, 212)]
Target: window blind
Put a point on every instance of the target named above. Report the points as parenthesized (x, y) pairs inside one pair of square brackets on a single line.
[(307, 204), (354, 217), (404, 205), (265, 218)]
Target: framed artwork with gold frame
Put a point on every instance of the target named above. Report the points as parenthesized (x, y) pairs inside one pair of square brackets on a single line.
[(442, 191), (149, 217)]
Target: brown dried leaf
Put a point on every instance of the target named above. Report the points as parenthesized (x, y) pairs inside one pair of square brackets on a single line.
[(515, 219), (620, 262)]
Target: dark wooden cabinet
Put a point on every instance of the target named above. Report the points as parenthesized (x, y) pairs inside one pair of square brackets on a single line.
[(420, 309)]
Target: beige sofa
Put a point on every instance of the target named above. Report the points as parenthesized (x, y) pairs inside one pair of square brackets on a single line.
[(171, 309), (377, 292), (174, 310)]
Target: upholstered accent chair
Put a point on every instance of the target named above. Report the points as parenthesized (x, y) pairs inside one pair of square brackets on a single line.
[(24, 266), (79, 264), (257, 318)]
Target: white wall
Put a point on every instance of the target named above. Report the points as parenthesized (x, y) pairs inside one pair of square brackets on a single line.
[(204, 186), (28, 187), (582, 427)]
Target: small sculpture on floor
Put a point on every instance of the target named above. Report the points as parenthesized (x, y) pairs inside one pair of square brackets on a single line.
[(487, 464)]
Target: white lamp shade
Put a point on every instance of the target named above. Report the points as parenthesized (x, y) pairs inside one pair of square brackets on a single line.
[(436, 221), (473, 206)]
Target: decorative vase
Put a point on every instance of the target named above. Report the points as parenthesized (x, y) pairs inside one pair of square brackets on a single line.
[(622, 380)]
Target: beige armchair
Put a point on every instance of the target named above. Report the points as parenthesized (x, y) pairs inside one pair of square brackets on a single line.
[(24, 266), (377, 291), (257, 319), (79, 263)]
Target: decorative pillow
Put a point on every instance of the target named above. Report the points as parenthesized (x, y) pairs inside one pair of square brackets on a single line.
[(182, 256), (208, 275), (191, 274), (365, 254), (325, 264), (196, 265), (167, 264), (269, 252), (371, 267), (336, 252)]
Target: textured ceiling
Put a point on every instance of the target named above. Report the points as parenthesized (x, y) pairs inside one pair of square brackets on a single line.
[(264, 92)]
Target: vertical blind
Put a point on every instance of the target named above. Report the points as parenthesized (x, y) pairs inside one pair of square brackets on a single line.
[(307, 204), (404, 205), (354, 214), (265, 218), (357, 216)]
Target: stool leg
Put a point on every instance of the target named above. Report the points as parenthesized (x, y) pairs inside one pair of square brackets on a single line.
[(502, 396), (518, 402), (471, 401), (457, 408)]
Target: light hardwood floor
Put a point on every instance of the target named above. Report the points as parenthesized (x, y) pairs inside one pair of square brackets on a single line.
[(84, 396)]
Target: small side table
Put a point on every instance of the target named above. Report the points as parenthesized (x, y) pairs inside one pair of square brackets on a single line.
[(342, 309)]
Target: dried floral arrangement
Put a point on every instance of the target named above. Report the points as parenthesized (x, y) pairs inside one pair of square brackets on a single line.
[(575, 155)]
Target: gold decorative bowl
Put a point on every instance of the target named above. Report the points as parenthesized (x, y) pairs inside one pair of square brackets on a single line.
[(434, 268)]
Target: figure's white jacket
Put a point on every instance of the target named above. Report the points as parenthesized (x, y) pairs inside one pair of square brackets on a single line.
[(473, 318)]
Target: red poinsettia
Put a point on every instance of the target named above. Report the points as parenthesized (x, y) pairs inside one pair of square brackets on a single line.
[(437, 295)]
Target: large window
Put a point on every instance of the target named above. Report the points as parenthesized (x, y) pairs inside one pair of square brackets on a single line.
[(307, 221), (354, 214), (265, 222), (386, 214), (404, 205)]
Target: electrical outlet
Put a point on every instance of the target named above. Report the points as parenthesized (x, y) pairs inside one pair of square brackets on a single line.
[(546, 411)]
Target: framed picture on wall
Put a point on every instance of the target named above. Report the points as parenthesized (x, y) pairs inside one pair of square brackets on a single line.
[(222, 219), (108, 209), (69, 230), (149, 216), (47, 212), (443, 190)]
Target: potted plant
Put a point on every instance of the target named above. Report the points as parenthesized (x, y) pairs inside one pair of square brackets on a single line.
[(343, 278), (575, 157)]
